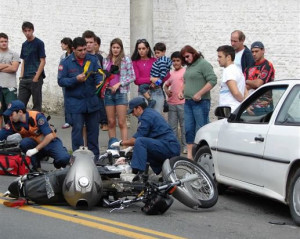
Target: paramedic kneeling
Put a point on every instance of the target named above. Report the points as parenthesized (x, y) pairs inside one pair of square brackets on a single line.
[(154, 140), (38, 139)]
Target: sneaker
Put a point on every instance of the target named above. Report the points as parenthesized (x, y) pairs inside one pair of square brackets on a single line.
[(138, 178), (184, 151), (151, 103), (65, 126), (104, 127)]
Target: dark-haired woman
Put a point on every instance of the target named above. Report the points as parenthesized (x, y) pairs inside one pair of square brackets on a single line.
[(199, 79), (142, 59), (66, 45)]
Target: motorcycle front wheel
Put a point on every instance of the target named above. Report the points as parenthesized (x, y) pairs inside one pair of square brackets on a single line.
[(199, 193)]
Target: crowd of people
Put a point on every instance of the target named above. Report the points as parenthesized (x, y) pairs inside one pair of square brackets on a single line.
[(186, 78)]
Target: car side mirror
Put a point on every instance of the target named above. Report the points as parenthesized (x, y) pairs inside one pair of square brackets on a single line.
[(223, 111)]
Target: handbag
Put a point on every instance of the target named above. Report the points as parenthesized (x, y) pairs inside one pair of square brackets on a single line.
[(166, 105), (12, 163)]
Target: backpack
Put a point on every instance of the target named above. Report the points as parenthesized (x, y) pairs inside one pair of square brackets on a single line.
[(13, 163)]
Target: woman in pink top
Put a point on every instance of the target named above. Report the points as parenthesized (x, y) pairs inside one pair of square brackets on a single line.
[(142, 59), (115, 99)]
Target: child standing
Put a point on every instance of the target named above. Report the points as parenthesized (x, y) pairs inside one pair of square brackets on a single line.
[(159, 71), (173, 86)]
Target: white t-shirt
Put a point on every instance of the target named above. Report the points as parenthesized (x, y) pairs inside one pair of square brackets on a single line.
[(231, 72), (238, 58)]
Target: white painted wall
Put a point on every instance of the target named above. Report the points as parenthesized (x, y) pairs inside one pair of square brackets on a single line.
[(202, 24), (56, 19), (206, 25)]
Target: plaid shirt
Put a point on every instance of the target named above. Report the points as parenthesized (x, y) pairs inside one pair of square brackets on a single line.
[(126, 73)]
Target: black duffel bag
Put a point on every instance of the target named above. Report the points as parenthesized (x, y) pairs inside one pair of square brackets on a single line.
[(41, 188)]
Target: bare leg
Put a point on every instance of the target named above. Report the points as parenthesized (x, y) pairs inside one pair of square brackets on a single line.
[(111, 118), (121, 114), (189, 151)]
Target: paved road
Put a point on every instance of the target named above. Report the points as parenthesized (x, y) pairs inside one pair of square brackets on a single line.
[(236, 215), (65, 134)]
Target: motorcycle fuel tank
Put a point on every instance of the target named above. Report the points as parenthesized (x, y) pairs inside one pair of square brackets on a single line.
[(82, 187)]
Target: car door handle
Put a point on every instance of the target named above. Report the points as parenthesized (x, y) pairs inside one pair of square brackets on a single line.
[(259, 138)]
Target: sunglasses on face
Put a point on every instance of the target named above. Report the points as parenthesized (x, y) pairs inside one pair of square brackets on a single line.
[(141, 41)]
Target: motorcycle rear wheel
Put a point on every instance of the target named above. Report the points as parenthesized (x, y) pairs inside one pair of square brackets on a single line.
[(199, 193)]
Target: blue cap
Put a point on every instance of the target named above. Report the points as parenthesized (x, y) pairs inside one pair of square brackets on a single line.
[(257, 44), (135, 102), (15, 105)]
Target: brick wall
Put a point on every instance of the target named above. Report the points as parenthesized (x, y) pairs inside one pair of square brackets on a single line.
[(208, 24), (202, 24), (54, 20)]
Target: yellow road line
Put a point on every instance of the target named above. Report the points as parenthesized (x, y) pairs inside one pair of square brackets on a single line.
[(94, 224), (85, 223), (121, 224)]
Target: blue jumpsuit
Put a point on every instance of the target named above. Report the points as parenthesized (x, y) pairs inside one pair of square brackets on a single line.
[(155, 142), (81, 102), (54, 149)]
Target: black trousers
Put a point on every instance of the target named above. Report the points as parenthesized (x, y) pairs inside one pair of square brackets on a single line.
[(29, 88)]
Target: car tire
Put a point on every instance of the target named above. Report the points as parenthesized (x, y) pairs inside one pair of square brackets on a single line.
[(204, 158), (294, 197)]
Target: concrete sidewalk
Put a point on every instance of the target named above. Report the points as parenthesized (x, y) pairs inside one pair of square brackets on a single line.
[(65, 134)]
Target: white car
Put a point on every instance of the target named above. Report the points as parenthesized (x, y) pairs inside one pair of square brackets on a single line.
[(257, 147)]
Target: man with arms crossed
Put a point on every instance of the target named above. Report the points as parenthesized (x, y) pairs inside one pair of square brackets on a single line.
[(262, 71), (9, 64)]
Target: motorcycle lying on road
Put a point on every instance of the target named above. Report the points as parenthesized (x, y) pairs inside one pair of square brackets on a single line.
[(84, 185)]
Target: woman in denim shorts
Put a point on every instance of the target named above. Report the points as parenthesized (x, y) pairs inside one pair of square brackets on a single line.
[(115, 99), (199, 79)]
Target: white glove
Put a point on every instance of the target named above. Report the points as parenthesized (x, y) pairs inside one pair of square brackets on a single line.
[(116, 144), (120, 161), (127, 150), (31, 152)]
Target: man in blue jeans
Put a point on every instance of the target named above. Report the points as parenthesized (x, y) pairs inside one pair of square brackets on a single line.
[(154, 140)]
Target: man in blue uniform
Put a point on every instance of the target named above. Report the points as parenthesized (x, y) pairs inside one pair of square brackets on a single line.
[(81, 102), (154, 140), (38, 139)]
